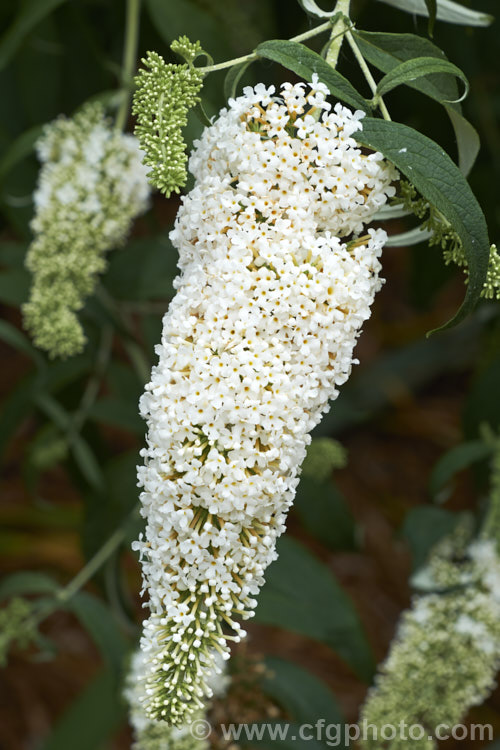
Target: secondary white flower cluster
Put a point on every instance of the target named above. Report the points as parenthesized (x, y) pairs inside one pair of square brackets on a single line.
[(277, 280), (91, 186), (150, 734), (447, 649)]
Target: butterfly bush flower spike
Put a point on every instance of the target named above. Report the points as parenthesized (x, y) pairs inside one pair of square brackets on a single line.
[(164, 95), (92, 185), (447, 648), (278, 272)]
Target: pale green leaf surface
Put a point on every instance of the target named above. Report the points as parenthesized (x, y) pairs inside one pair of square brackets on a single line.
[(420, 67)]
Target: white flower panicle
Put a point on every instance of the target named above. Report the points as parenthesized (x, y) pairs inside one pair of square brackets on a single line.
[(277, 280), (447, 648), (91, 186)]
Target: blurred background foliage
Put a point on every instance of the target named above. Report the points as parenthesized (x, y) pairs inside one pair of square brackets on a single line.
[(411, 418)]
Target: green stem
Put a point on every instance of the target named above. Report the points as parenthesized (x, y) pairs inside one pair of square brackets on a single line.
[(367, 74), (338, 32), (134, 351), (129, 59), (93, 565), (93, 385), (253, 56)]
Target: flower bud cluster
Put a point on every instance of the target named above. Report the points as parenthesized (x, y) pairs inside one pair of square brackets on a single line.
[(447, 648), (91, 186), (150, 734), (277, 277)]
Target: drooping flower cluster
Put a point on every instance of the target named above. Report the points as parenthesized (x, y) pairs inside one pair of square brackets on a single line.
[(150, 734), (447, 649), (276, 280), (91, 186)]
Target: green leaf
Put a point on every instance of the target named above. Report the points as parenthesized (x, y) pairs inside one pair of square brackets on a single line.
[(441, 183), (419, 67), (98, 621), (447, 10), (386, 51), (15, 338), (304, 62), (184, 16), (423, 527), (12, 254), (458, 458), (233, 78), (121, 493), (324, 513), (14, 286), (30, 14), (119, 413), (302, 595), (304, 697), (27, 582), (46, 450), (82, 453), (22, 147), (143, 270), (91, 718), (468, 141), (482, 405)]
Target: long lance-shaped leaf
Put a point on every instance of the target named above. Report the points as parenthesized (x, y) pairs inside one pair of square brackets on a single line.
[(30, 13), (304, 62), (441, 183), (387, 51), (446, 10), (420, 67)]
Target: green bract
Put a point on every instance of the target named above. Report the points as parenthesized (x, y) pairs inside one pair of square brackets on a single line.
[(164, 95)]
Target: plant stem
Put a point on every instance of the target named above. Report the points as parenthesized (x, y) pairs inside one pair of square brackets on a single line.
[(338, 32), (134, 351), (92, 387), (367, 74), (129, 59), (93, 565), (253, 56)]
